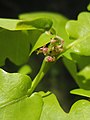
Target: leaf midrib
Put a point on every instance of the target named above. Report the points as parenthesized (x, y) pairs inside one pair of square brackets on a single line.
[(12, 101)]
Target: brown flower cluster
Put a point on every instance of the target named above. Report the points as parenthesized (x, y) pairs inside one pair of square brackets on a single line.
[(53, 49)]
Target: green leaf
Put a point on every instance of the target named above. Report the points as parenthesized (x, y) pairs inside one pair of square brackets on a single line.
[(71, 66), (26, 69), (84, 76), (88, 7), (80, 61), (16, 105), (82, 46), (80, 110), (28, 108), (9, 24), (14, 24), (14, 102), (15, 46), (78, 52), (79, 68), (51, 109), (79, 30), (85, 72), (40, 23), (15, 41), (13, 86), (58, 20), (81, 92), (42, 40)]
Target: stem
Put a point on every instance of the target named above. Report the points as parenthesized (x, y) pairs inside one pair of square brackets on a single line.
[(43, 70)]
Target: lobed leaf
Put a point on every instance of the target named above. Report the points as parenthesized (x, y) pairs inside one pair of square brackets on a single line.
[(51, 108), (16, 37), (58, 20), (78, 52), (16, 105), (52, 111), (14, 102), (82, 46), (79, 30), (80, 110), (28, 108), (13, 86), (14, 46)]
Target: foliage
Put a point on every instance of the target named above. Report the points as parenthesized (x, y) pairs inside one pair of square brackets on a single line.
[(79, 49), (88, 7), (16, 36), (44, 32)]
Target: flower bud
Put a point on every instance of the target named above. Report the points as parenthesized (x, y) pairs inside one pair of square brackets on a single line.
[(45, 50), (49, 59)]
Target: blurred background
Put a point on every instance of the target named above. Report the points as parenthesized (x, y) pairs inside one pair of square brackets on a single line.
[(69, 8), (58, 80)]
